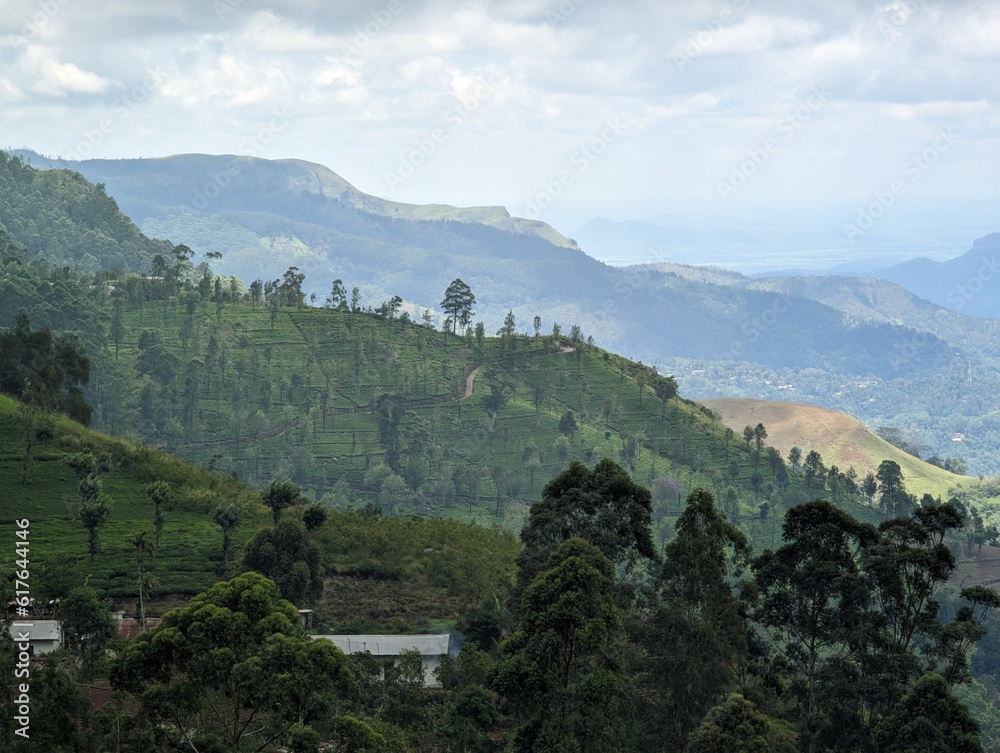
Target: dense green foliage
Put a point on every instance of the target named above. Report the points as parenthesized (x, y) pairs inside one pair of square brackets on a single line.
[(233, 666), (566, 653), (626, 622), (785, 338), (69, 221), (44, 370), (603, 506)]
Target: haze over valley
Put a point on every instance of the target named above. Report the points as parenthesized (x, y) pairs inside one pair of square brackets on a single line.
[(544, 376)]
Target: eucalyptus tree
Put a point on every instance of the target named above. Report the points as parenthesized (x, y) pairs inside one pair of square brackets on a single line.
[(232, 671), (458, 302), (561, 675), (697, 637)]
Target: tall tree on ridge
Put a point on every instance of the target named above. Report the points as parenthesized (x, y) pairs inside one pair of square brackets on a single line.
[(458, 302)]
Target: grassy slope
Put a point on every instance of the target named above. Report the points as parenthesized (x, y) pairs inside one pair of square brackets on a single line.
[(385, 573), (841, 439), (190, 545), (363, 356)]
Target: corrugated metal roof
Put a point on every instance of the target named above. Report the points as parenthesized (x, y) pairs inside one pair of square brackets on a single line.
[(390, 645), (39, 630)]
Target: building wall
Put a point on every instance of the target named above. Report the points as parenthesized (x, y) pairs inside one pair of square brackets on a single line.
[(44, 647)]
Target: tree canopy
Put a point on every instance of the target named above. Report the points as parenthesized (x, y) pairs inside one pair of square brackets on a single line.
[(458, 302), (603, 506), (44, 369), (233, 667), (566, 653)]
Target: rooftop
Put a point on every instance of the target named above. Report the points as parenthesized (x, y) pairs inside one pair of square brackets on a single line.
[(38, 630), (390, 645)]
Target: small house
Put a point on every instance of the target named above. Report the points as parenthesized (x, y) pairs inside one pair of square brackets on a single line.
[(43, 636), (432, 649)]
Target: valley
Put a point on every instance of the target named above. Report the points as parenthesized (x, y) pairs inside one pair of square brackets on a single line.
[(378, 463), (499, 377)]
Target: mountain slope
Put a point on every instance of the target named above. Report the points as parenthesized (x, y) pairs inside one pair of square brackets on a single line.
[(204, 181), (190, 547), (68, 221), (872, 299), (264, 216), (841, 439), (968, 283)]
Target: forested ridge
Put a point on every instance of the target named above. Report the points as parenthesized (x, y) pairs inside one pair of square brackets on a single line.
[(640, 578), (266, 215), (784, 338), (68, 221)]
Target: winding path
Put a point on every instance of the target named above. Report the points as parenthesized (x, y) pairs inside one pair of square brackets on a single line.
[(468, 386)]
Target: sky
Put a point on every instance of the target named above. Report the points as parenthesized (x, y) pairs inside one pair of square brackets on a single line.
[(557, 109)]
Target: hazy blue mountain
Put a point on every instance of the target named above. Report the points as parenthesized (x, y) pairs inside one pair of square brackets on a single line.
[(969, 283), (266, 215), (862, 345)]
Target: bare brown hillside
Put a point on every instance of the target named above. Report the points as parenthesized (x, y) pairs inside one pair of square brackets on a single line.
[(841, 439)]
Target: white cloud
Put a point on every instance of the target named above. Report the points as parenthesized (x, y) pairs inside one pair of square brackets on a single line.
[(269, 33), (9, 93), (57, 78), (977, 36), (363, 78), (762, 33)]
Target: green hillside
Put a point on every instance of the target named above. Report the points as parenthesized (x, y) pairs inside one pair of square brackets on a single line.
[(380, 572), (265, 215), (68, 221), (190, 548), (803, 339), (481, 425), (241, 381)]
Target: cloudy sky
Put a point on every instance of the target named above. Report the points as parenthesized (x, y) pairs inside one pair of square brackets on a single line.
[(534, 104)]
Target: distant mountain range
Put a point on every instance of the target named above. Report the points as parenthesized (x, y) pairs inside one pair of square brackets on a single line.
[(806, 338), (969, 283), (264, 216), (770, 240)]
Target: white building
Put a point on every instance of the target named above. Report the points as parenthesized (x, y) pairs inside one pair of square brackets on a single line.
[(431, 648), (44, 636)]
